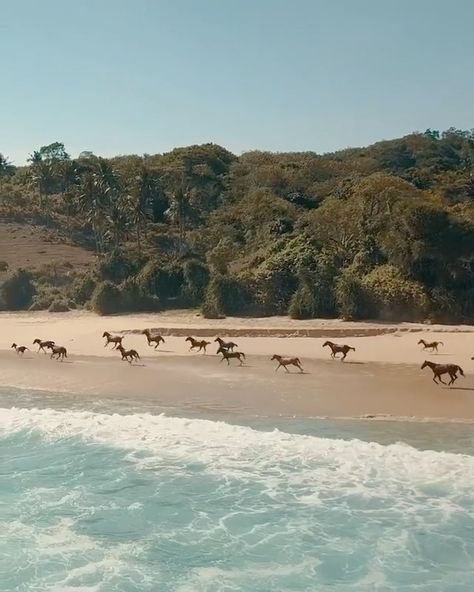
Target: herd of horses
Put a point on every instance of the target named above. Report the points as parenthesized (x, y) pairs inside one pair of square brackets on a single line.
[(227, 349)]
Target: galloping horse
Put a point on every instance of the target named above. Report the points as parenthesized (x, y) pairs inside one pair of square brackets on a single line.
[(338, 349), (195, 343), (228, 355), (287, 362), (115, 339), (59, 351), (43, 344), (225, 344), (129, 355), (157, 339), (20, 349), (433, 345), (440, 369)]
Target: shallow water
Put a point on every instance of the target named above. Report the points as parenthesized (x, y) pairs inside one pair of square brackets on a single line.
[(112, 498)]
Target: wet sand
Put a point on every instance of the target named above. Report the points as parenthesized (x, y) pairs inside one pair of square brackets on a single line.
[(382, 378)]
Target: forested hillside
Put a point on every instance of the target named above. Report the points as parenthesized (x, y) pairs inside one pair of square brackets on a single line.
[(383, 232)]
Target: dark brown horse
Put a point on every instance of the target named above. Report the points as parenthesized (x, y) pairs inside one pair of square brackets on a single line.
[(338, 349), (43, 345), (287, 362), (157, 339), (433, 345), (115, 339), (196, 344), (129, 355), (229, 345), (20, 349), (228, 355), (58, 351), (440, 369)]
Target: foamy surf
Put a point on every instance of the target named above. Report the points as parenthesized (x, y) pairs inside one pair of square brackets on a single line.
[(96, 501)]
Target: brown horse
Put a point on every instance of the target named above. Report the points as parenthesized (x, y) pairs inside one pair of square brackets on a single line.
[(229, 345), (196, 344), (433, 345), (287, 362), (440, 369), (20, 349), (228, 355), (43, 345), (338, 349), (58, 351), (115, 339), (157, 339), (129, 355)]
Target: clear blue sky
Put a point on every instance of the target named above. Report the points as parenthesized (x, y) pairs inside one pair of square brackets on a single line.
[(135, 76)]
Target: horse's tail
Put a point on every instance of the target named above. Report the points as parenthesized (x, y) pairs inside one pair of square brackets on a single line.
[(352, 348), (440, 342), (460, 370), (298, 360)]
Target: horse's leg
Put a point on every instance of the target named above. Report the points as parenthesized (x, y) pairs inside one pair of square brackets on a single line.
[(300, 367), (441, 380), (277, 367), (286, 368), (344, 354), (228, 361)]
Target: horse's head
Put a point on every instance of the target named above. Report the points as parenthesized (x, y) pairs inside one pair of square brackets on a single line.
[(326, 343), (189, 339), (218, 339), (275, 357), (105, 334), (13, 344), (36, 341), (425, 363), (420, 342), (145, 332)]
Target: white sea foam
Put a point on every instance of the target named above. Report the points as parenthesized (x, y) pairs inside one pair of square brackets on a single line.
[(227, 507), (219, 446)]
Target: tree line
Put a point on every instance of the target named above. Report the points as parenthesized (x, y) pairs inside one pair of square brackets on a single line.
[(385, 231)]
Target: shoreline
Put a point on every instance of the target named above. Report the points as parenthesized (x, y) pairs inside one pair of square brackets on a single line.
[(381, 381)]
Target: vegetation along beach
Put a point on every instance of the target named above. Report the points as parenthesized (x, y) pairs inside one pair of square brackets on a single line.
[(237, 296)]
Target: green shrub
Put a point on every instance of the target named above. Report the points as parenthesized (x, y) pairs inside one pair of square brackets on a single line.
[(161, 279), (226, 295), (117, 267), (17, 291), (392, 297), (105, 298), (352, 300), (134, 299), (58, 306), (196, 280), (82, 288)]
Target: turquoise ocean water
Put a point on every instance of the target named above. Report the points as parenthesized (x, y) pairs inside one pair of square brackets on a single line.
[(113, 498)]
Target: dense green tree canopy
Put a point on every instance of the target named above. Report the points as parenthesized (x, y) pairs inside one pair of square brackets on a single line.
[(385, 231)]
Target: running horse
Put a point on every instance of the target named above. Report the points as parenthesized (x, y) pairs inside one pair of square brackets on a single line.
[(287, 362), (20, 349), (157, 339), (440, 369), (228, 355), (58, 351), (229, 345), (43, 345), (128, 355), (115, 339), (196, 344), (433, 345), (338, 349)]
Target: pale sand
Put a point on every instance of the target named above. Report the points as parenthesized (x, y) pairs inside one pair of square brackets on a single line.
[(381, 378)]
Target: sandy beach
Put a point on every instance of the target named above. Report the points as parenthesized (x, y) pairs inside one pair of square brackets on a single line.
[(381, 378)]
